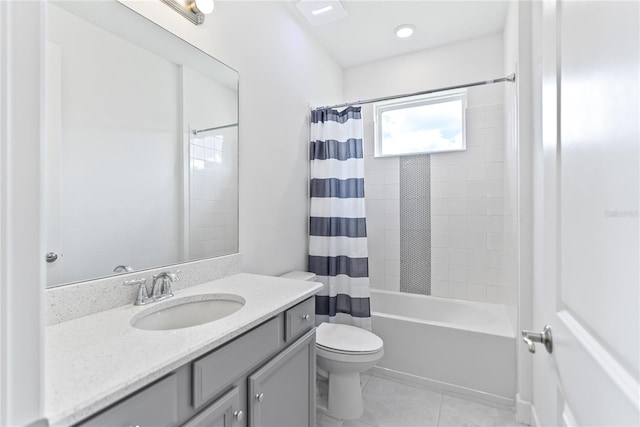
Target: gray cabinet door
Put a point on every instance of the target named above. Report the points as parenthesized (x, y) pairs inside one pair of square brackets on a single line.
[(224, 412), (154, 406), (282, 392)]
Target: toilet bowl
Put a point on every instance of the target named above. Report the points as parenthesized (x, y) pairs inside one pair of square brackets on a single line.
[(342, 353)]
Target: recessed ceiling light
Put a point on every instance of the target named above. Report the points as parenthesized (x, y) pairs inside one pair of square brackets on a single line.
[(321, 10), (405, 30)]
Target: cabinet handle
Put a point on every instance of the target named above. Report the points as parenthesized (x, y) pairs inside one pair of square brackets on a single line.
[(306, 317), (238, 415), (260, 397)]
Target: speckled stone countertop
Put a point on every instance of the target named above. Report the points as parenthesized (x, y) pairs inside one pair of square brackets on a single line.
[(93, 361)]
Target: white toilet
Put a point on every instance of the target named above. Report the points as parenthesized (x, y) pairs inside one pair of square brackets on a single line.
[(342, 352)]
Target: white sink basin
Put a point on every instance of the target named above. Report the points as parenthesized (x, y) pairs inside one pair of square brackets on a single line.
[(188, 311)]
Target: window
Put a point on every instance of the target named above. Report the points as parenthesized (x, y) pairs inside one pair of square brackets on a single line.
[(420, 124)]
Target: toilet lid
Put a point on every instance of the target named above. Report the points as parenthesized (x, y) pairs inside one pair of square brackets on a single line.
[(346, 338)]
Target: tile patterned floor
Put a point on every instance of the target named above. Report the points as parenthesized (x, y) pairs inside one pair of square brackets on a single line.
[(394, 403)]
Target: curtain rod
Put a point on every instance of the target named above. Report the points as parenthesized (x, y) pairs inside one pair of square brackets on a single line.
[(509, 78), (195, 132)]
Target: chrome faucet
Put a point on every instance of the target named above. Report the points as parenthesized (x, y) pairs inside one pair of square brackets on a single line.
[(163, 290), (160, 288)]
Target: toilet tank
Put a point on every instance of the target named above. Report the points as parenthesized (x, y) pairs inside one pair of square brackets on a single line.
[(300, 275)]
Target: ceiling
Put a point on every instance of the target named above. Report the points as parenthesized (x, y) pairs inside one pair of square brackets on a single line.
[(366, 34)]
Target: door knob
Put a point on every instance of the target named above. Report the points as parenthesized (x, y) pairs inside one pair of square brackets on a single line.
[(530, 338), (238, 415), (51, 257)]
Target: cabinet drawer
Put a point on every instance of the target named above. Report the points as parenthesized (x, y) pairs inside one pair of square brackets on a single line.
[(215, 371), (299, 319), (156, 405)]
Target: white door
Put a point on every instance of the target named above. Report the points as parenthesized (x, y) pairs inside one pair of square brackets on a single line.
[(588, 288)]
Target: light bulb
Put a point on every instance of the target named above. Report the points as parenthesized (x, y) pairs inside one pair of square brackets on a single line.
[(205, 6), (404, 31)]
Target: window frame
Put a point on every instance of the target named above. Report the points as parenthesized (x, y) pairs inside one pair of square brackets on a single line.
[(380, 108)]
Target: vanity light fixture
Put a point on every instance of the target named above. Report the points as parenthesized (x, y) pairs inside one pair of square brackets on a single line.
[(193, 10), (405, 30)]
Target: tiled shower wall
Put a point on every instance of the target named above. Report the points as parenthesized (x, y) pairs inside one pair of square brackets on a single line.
[(468, 237)]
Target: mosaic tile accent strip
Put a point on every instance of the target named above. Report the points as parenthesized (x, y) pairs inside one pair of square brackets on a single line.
[(415, 224)]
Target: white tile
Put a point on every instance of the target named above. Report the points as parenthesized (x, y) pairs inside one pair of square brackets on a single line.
[(476, 171), (448, 158), (477, 223), (457, 273), (476, 189), (374, 191), (494, 153), (439, 272), (477, 292), (439, 223), (476, 240), (458, 240), (476, 154), (458, 290), (495, 170), (392, 163), (476, 137), (392, 268), (439, 240), (495, 241), (476, 258), (458, 223), (475, 119), (391, 176), (392, 222), (439, 173), (376, 251), (495, 259), (495, 188), (495, 223), (495, 206), (476, 206), (439, 288), (439, 206), (457, 256), (376, 267), (476, 275), (495, 277), (439, 256), (458, 207), (440, 190), (389, 403), (392, 236), (375, 221), (375, 177), (495, 136), (391, 253), (392, 283), (456, 189), (392, 207), (494, 117), (457, 411), (375, 206), (391, 191)]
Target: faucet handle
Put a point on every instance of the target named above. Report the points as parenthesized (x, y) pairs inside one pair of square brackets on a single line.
[(143, 296)]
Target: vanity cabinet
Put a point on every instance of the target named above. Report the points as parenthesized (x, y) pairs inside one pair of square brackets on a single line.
[(264, 377)]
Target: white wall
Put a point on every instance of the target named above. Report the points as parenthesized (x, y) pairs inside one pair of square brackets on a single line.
[(21, 248), (283, 71), (467, 204)]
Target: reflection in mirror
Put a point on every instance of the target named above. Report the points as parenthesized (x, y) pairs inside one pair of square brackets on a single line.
[(141, 146)]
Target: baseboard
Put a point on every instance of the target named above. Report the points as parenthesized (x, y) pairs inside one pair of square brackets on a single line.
[(439, 385), (525, 412)]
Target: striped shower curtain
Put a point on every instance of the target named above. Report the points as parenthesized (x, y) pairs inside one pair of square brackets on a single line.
[(337, 224)]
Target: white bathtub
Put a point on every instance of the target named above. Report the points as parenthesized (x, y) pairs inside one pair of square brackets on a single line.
[(457, 345)]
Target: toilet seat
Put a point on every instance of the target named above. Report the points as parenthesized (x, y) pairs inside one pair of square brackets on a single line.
[(346, 340)]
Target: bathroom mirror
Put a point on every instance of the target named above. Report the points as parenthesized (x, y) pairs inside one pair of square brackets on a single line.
[(141, 145)]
